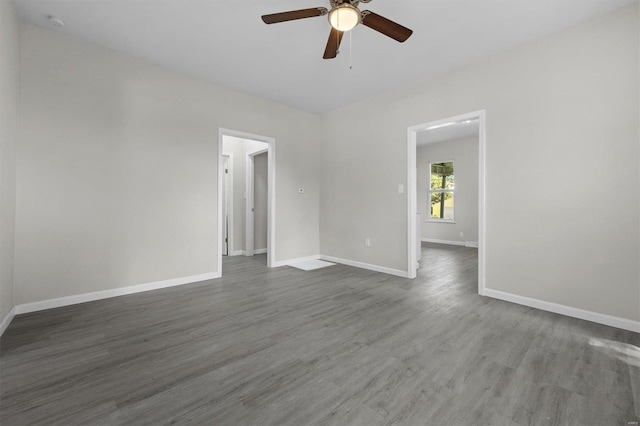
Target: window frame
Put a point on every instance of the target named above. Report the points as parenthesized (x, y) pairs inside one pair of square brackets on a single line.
[(441, 191)]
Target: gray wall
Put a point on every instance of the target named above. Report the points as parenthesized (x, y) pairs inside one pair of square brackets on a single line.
[(564, 106), (237, 148), (464, 152), (8, 108), (260, 180), (117, 169)]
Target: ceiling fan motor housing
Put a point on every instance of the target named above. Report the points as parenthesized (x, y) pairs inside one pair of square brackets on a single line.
[(353, 3)]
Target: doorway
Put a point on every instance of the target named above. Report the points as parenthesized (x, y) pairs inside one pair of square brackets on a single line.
[(414, 222), (239, 150), (257, 190)]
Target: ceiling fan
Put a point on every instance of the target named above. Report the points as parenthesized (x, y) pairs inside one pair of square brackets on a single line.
[(344, 15)]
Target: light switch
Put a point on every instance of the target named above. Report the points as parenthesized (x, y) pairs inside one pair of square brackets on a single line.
[(400, 188)]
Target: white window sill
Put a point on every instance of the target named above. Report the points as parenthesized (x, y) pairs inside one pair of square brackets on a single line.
[(440, 221)]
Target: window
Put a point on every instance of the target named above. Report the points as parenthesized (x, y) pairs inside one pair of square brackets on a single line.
[(441, 191)]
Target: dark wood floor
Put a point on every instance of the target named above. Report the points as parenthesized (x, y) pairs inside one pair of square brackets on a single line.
[(334, 346)]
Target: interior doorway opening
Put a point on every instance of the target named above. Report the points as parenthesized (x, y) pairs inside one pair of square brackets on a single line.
[(256, 215), (246, 195), (446, 186)]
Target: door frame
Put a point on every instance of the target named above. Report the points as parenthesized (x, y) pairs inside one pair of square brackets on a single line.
[(229, 204), (412, 199), (250, 202), (271, 188)]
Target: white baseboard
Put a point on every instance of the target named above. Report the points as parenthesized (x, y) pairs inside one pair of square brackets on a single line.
[(7, 320), (287, 262), (451, 243), (569, 311), (260, 251), (473, 244), (370, 267), (106, 294)]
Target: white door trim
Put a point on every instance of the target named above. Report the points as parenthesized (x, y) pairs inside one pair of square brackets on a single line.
[(250, 202), (271, 188), (412, 199)]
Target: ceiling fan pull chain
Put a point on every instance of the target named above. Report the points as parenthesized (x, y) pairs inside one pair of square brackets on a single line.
[(350, 49), (338, 41)]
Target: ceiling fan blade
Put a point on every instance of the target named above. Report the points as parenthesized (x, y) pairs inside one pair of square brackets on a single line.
[(335, 37), (385, 26), (294, 14)]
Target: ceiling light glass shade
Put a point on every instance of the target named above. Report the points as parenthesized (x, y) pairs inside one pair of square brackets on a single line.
[(344, 17)]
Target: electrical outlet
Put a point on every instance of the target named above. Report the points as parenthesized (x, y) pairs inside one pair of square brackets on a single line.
[(367, 242), (461, 234)]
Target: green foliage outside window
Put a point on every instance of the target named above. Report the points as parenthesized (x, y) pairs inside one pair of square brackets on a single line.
[(441, 191)]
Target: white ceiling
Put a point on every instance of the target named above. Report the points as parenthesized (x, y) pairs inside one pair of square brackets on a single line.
[(448, 133), (227, 43)]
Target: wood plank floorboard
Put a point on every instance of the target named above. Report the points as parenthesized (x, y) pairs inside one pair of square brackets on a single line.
[(335, 346)]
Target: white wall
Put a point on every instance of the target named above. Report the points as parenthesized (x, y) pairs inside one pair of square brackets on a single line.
[(464, 152), (8, 111), (260, 216), (117, 169), (237, 148), (564, 106)]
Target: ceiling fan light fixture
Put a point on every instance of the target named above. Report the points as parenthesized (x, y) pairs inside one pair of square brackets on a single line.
[(344, 17)]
